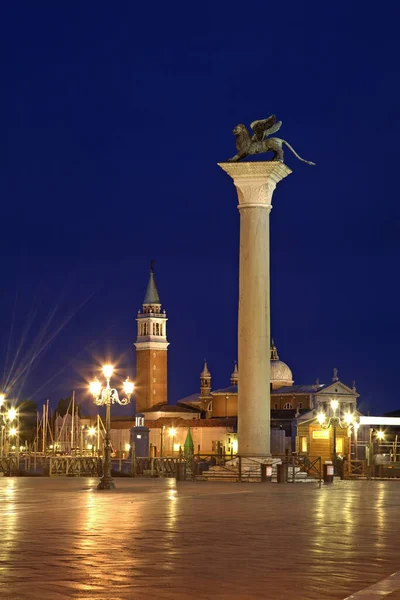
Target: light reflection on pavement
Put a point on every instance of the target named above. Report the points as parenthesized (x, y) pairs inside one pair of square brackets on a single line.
[(153, 538)]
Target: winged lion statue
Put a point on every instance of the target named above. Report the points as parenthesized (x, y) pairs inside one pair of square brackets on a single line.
[(260, 141)]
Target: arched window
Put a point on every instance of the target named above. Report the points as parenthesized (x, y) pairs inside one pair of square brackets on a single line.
[(157, 329), (161, 328), (287, 406)]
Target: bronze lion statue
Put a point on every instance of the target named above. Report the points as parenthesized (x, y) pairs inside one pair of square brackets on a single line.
[(260, 142)]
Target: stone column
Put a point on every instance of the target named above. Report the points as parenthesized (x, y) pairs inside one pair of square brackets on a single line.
[(255, 183)]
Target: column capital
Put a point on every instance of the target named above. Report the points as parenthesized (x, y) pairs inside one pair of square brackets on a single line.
[(256, 181)]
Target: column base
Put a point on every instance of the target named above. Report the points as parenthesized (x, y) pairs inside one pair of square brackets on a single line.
[(106, 483)]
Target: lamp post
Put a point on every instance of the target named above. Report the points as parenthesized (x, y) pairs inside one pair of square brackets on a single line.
[(91, 433), (107, 396), (12, 414), (162, 440), (2, 424), (172, 434), (334, 421), (379, 435), (356, 427)]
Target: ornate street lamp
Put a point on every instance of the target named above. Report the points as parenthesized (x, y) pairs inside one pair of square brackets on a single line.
[(2, 424), (334, 422), (172, 434), (108, 395)]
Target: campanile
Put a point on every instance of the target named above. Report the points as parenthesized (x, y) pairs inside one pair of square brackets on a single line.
[(151, 350)]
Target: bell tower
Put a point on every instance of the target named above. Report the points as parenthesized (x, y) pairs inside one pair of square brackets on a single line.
[(205, 380), (151, 350)]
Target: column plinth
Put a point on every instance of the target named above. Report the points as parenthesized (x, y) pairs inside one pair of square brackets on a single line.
[(255, 183)]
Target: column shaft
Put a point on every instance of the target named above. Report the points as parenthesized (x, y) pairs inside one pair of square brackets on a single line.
[(254, 332), (255, 184)]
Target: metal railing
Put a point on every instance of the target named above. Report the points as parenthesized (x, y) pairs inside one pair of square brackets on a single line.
[(9, 465), (210, 467), (75, 466)]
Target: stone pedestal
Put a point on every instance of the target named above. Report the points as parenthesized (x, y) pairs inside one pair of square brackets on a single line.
[(255, 184)]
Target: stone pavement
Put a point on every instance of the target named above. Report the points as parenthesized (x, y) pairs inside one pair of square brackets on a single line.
[(61, 538)]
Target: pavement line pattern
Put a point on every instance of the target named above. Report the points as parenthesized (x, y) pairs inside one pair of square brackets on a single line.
[(379, 590)]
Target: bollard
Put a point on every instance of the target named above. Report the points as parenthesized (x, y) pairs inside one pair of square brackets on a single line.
[(180, 471), (266, 472), (282, 473), (133, 463)]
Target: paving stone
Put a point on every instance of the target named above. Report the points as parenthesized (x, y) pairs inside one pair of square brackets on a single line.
[(61, 538)]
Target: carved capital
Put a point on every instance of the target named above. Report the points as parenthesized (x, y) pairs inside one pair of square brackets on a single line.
[(255, 193), (255, 182)]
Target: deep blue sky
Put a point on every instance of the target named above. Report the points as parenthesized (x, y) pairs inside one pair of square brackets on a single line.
[(114, 116)]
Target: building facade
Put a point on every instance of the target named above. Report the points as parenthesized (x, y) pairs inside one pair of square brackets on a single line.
[(211, 415)]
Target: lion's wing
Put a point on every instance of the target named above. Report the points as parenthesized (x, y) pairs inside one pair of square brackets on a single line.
[(272, 129), (260, 127)]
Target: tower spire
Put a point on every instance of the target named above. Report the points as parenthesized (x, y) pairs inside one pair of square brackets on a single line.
[(205, 380), (235, 375), (151, 296), (151, 349), (274, 351)]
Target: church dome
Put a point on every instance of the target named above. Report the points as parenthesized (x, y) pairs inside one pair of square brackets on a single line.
[(281, 372), (281, 375)]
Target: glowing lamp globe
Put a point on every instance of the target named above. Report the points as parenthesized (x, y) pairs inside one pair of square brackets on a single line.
[(12, 413), (334, 405), (129, 386), (108, 371), (95, 388), (348, 418)]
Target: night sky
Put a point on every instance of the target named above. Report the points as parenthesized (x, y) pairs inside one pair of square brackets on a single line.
[(114, 116)]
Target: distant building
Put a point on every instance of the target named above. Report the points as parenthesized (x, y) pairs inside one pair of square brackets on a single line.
[(151, 386), (212, 414)]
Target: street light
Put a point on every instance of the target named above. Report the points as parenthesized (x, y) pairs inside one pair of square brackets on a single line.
[(172, 434), (379, 435), (12, 413), (2, 424), (90, 434), (107, 396), (334, 421)]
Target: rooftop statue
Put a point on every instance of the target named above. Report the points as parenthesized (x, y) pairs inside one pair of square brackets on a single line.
[(260, 142)]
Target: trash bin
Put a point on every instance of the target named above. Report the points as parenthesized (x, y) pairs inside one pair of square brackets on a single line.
[(266, 472), (180, 473), (328, 472), (282, 473)]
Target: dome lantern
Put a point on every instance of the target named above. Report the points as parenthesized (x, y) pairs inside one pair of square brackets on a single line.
[(281, 375)]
